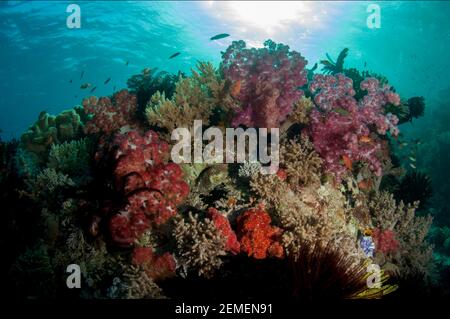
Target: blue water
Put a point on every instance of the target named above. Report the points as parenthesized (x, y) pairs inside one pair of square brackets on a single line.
[(39, 55)]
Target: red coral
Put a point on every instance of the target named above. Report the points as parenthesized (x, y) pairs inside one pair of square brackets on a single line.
[(267, 82), (223, 225), (152, 187), (109, 115), (345, 130), (257, 237), (385, 241), (157, 267)]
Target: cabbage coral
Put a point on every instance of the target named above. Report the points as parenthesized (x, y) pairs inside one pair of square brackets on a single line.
[(265, 82)]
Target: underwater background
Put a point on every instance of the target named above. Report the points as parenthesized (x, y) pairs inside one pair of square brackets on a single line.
[(48, 68)]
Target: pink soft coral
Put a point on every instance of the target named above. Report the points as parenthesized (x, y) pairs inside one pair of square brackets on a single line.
[(268, 80), (385, 241), (109, 115), (157, 267), (345, 130), (152, 187), (223, 225)]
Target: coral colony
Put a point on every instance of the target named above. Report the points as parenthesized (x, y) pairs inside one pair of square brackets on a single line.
[(103, 189)]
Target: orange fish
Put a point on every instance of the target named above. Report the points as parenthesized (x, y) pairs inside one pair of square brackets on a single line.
[(365, 139), (236, 89), (365, 184), (347, 162)]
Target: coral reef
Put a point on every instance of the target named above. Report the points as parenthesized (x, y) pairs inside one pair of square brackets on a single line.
[(95, 186), (109, 115), (266, 82)]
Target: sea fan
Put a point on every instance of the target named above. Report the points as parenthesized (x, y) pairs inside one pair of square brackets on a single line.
[(326, 272), (331, 67), (415, 186)]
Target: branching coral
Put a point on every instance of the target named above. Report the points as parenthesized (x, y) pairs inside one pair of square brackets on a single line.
[(148, 82), (109, 115), (195, 98), (266, 82), (71, 158), (413, 253), (301, 163), (344, 130), (200, 244)]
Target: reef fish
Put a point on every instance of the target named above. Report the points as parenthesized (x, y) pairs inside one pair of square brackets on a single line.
[(365, 139), (347, 162), (342, 112), (107, 80), (127, 62), (174, 55), (236, 88), (93, 89), (85, 86), (219, 36), (82, 73), (413, 166)]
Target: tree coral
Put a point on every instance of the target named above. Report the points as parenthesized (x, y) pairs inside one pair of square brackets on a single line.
[(152, 187), (267, 82), (257, 237), (345, 130)]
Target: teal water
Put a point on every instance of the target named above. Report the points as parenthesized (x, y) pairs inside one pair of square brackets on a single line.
[(39, 55)]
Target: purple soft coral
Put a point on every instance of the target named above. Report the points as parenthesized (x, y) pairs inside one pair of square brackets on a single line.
[(342, 129), (269, 79)]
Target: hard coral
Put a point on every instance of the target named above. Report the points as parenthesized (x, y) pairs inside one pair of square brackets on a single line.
[(109, 115), (267, 80), (257, 237), (49, 130), (345, 130)]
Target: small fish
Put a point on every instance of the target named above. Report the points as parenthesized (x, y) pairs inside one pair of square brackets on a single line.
[(365, 184), (174, 55), (114, 88), (236, 88), (85, 86), (365, 139), (412, 159), (75, 96), (107, 81), (82, 73), (127, 62), (93, 89), (219, 36), (70, 81), (365, 64), (347, 162), (412, 165), (342, 112)]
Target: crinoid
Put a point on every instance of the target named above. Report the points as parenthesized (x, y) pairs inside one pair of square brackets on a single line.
[(323, 271)]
